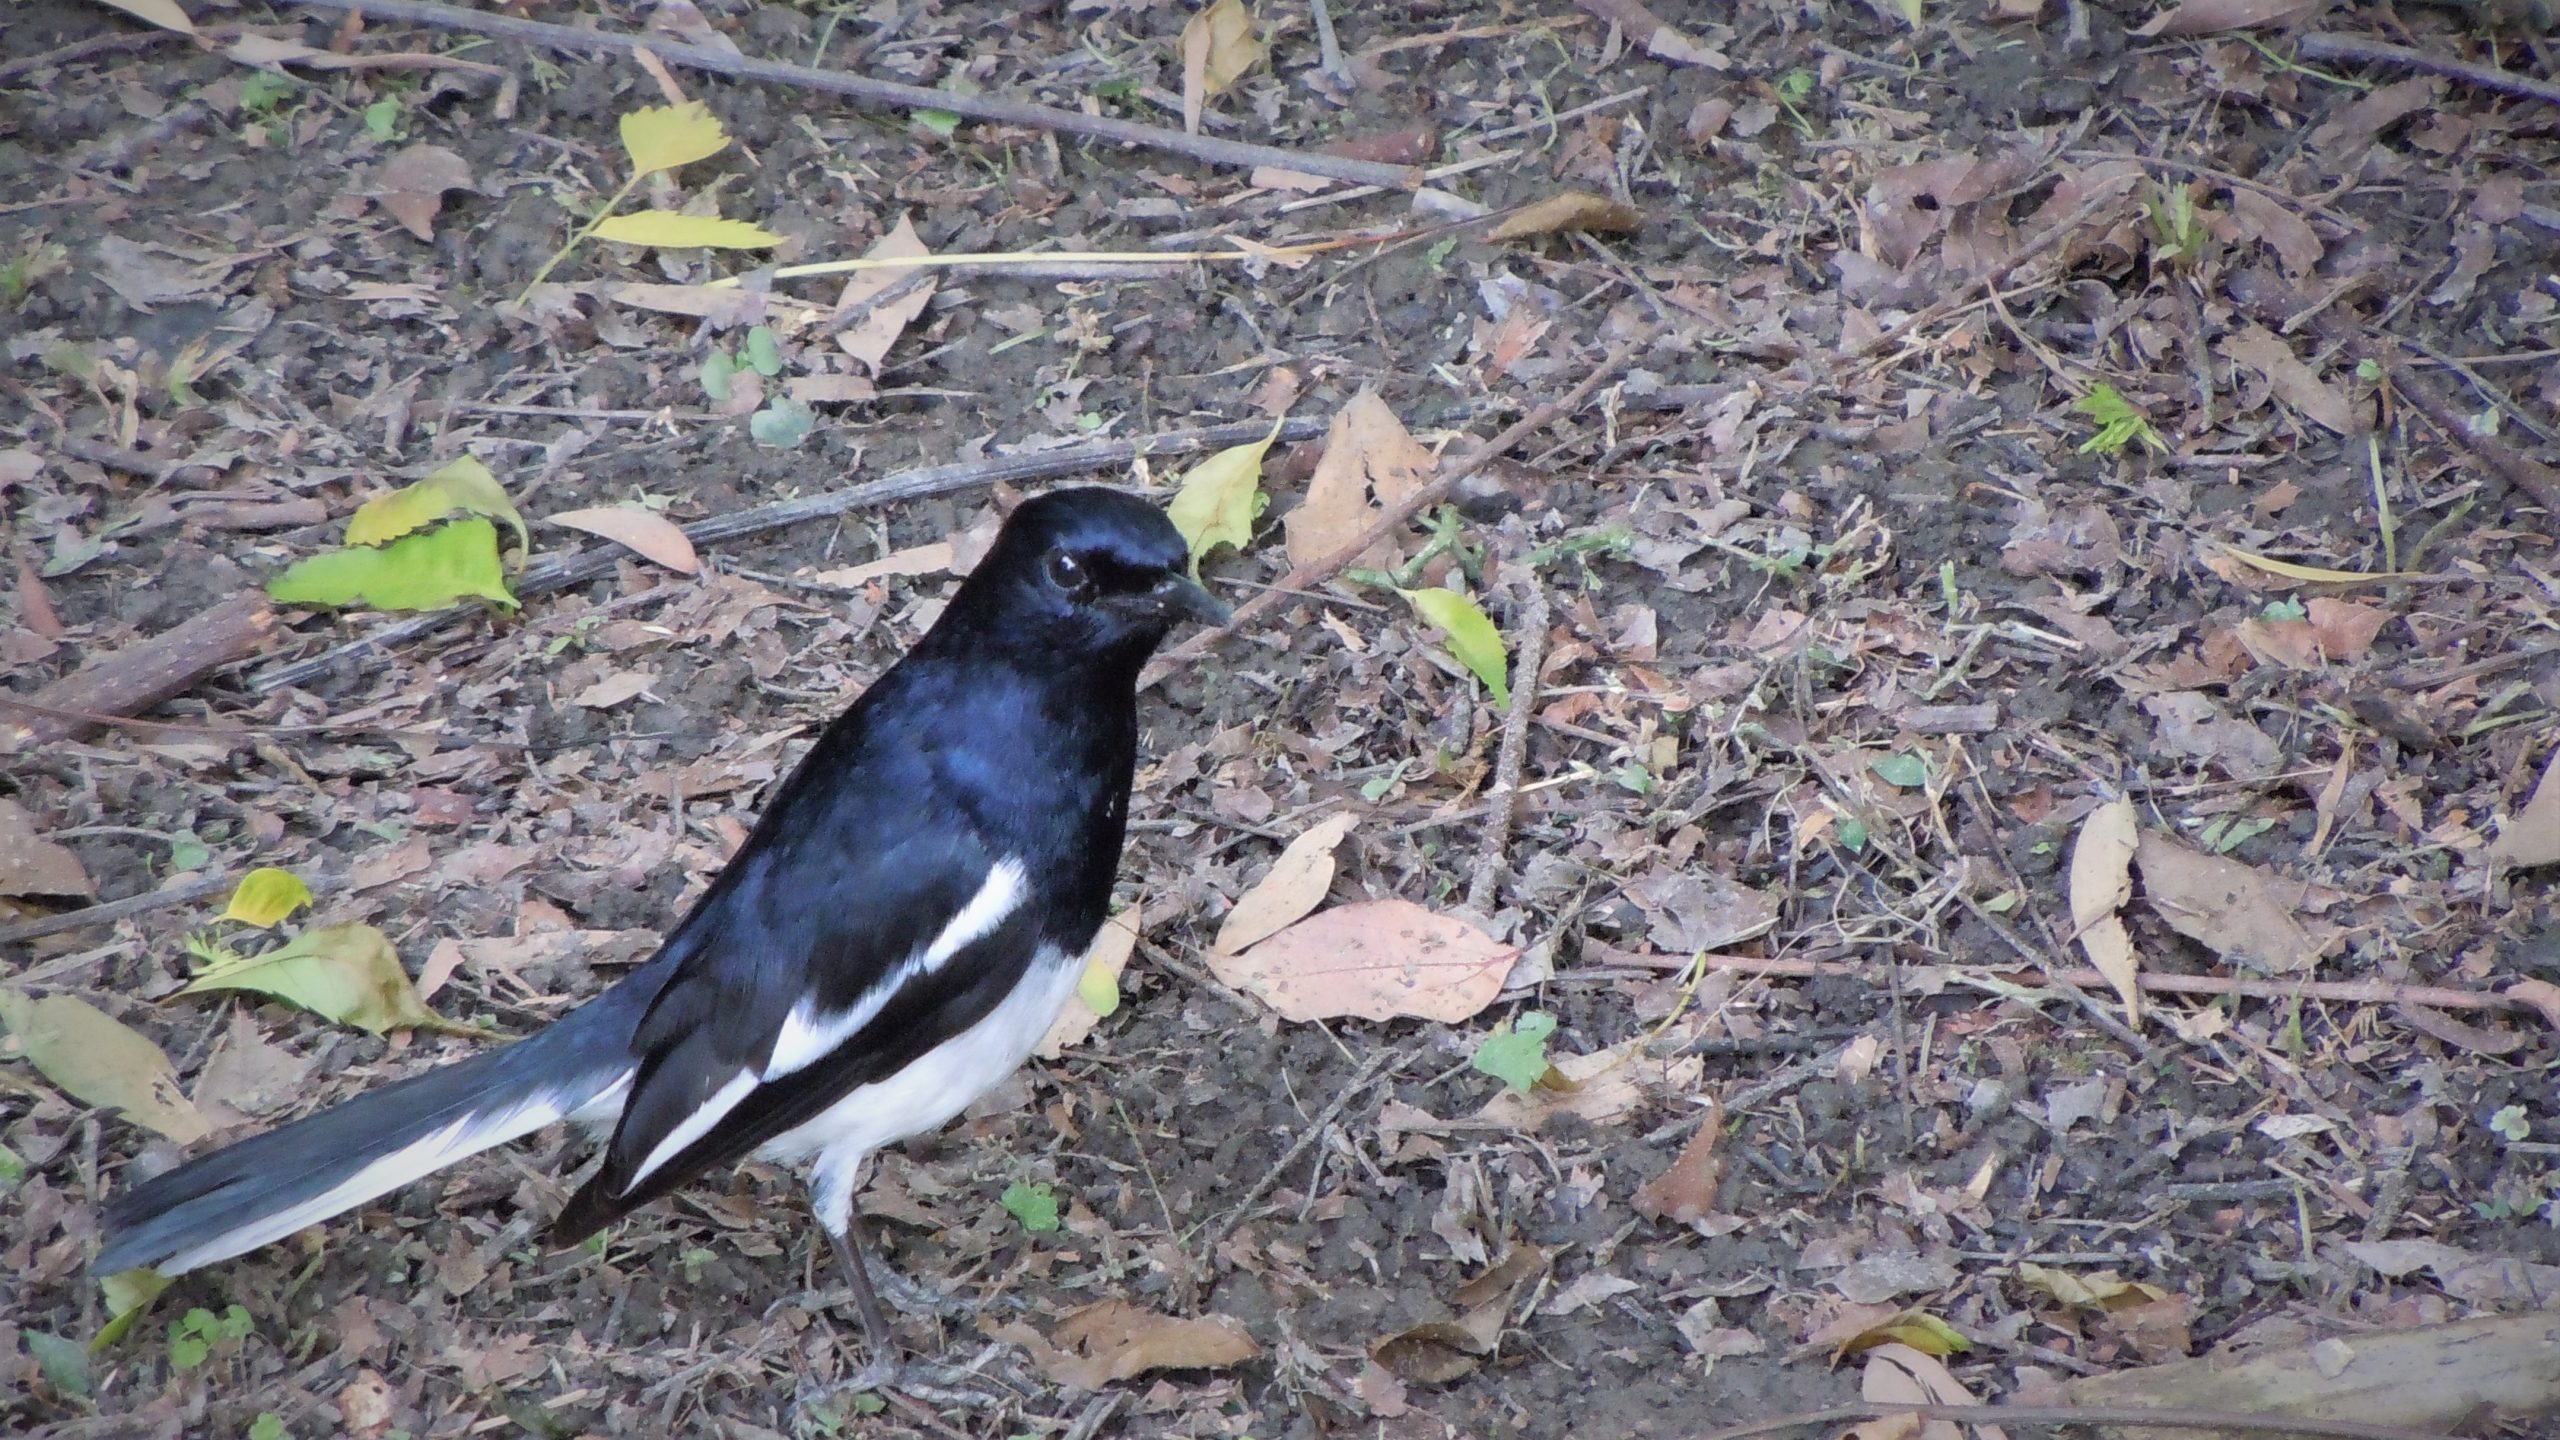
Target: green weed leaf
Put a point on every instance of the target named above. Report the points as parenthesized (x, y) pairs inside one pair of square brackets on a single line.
[(1036, 1206), (1516, 1052), (1471, 636), (464, 487)]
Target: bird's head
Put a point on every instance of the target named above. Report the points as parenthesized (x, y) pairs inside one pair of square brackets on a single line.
[(1086, 572)]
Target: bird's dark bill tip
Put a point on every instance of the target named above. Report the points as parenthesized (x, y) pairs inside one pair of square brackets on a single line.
[(1191, 600)]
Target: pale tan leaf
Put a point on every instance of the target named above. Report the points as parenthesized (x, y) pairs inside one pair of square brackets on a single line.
[(615, 689), (2238, 911), (1572, 210), (1366, 450), (1295, 884), (2213, 17), (1115, 1340), (1595, 1088), (2293, 380), (931, 558), (163, 13), (33, 865), (2101, 881), (1376, 959), (2531, 836), (99, 1060), (644, 532), (887, 300)]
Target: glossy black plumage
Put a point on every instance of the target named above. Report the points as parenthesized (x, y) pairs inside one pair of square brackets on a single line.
[(913, 901)]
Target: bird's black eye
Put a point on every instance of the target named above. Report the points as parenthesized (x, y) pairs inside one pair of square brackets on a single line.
[(1067, 573)]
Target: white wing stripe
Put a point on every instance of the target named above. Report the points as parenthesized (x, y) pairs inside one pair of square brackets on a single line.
[(808, 1037), (722, 1101)]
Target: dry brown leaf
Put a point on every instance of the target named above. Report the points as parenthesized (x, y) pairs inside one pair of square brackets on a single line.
[(1595, 1088), (2293, 380), (2271, 221), (1367, 449), (2213, 17), (886, 314), (1439, 1351), (411, 186), (2232, 908), (1645, 30), (2531, 836), (1115, 1340), (1219, 45), (830, 389), (725, 308), (1898, 1374), (1687, 1190), (1572, 210), (2101, 881), (1376, 959), (1296, 884), (646, 533), (615, 688), (97, 1058), (931, 558), (33, 865), (2542, 995)]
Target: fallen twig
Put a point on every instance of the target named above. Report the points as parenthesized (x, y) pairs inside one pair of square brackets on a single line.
[(1504, 798), (884, 94), (558, 572), (2224, 1422), (2374, 52), (142, 674), (184, 893), (1317, 572), (2349, 992), (1381, 1063)]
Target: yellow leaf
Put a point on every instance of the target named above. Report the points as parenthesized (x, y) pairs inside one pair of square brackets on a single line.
[(2291, 571), (464, 487), (1925, 1333), (1221, 498), (1572, 210), (426, 571), (266, 896), (1472, 637), (663, 137), (128, 1294), (670, 230), (1225, 35)]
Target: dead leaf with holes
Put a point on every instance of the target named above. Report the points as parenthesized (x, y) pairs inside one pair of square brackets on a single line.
[(1376, 959), (1367, 452), (2101, 881), (1296, 884), (2242, 913), (1115, 1340)]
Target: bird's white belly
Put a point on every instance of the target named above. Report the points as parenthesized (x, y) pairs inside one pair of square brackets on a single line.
[(944, 1080)]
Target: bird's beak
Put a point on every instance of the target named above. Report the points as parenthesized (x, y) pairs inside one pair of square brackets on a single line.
[(1183, 598)]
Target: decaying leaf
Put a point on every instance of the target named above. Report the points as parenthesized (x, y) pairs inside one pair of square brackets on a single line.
[(463, 486), (1219, 46), (1596, 1088), (33, 865), (1439, 1351), (348, 973), (1686, 1192), (1295, 885), (1114, 1340), (99, 1060), (1367, 451), (2531, 836), (411, 186), (2293, 380), (2235, 909), (1376, 959), (2101, 881), (1572, 210), (1098, 990), (1221, 498), (875, 307), (643, 532)]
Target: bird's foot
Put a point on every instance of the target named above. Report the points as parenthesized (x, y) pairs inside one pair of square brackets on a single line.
[(930, 1381), (911, 1298)]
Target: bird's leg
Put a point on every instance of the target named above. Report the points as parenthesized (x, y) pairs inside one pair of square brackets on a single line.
[(850, 1253)]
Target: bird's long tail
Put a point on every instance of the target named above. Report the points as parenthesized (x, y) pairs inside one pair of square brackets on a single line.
[(268, 1186)]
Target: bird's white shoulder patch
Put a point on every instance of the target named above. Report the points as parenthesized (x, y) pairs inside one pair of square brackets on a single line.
[(808, 1036)]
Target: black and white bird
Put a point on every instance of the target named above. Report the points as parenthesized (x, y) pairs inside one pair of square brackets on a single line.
[(900, 930)]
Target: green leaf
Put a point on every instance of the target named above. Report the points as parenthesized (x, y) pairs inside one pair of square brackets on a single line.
[(1099, 988), (128, 1294), (1904, 769), (673, 230), (269, 1426), (1221, 498), (1516, 1052), (941, 122), (783, 424), (1036, 1206), (764, 352), (1853, 835), (663, 137), (415, 572), (13, 1168), (266, 896), (98, 1059), (64, 1363), (348, 973), (464, 487), (191, 1339), (719, 376), (2511, 1125), (1471, 636)]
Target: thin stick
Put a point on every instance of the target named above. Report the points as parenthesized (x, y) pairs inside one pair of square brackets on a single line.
[(883, 94), (2374, 52), (2349, 992), (2043, 1416), (1317, 572), (1504, 799), (1375, 1066), (184, 893), (559, 572)]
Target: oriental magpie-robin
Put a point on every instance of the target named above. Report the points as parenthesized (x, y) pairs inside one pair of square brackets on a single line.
[(892, 940)]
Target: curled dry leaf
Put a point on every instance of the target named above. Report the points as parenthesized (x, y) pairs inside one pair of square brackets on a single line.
[(644, 532), (1439, 1351), (2531, 836), (411, 186), (1115, 1340), (1901, 1374), (100, 1060), (1376, 959), (33, 865), (2238, 911), (2101, 881), (1366, 451), (1295, 884), (1572, 210)]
